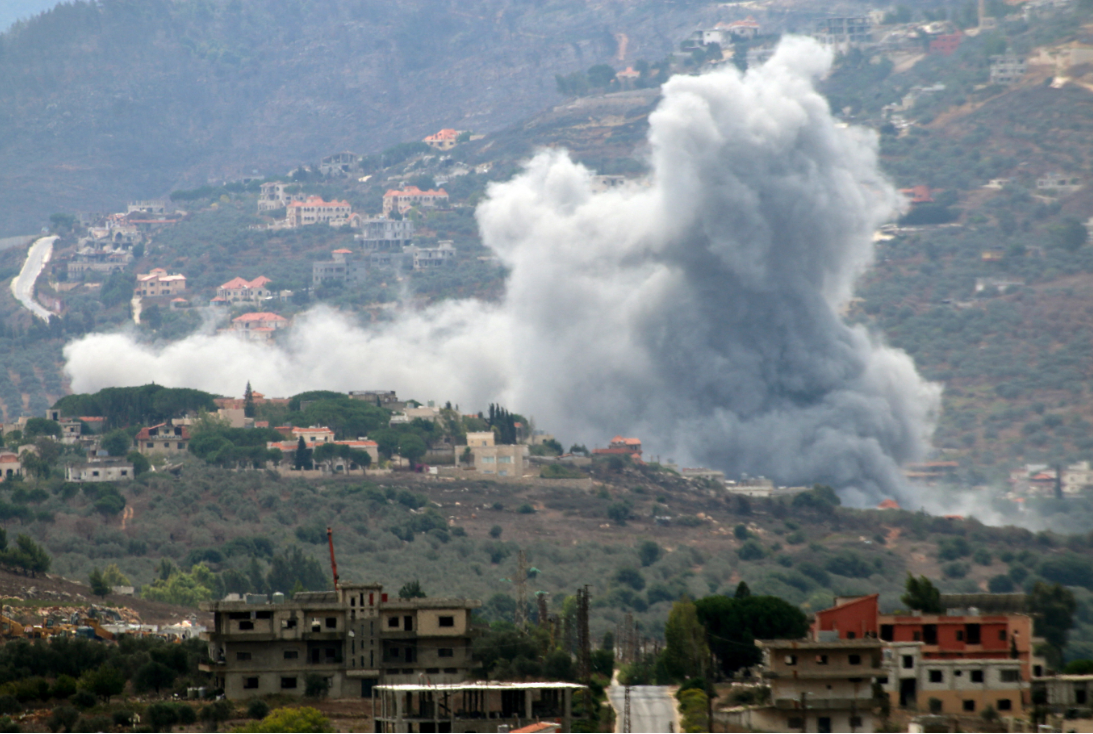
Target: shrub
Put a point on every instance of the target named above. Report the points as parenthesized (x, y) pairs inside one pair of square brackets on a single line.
[(83, 699), (751, 551), (495, 531), (741, 532), (257, 709), (955, 570), (1000, 584), (619, 512), (526, 509), (983, 557), (629, 576), (10, 705), (63, 717)]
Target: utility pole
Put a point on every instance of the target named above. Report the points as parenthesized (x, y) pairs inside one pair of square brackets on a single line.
[(521, 616), (541, 602), (626, 727)]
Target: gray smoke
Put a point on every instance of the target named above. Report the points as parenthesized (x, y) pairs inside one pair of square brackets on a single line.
[(698, 310)]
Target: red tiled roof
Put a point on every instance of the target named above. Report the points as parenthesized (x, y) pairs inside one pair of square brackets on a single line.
[(146, 433), (445, 134), (414, 191), (343, 250), (318, 201), (258, 316), (888, 505), (9, 459)]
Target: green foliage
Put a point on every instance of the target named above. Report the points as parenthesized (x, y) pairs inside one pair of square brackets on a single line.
[(27, 556), (411, 590), (131, 406), (751, 551), (734, 625), (1070, 234), (1052, 607), (105, 682), (316, 686), (685, 653), (302, 719), (98, 587), (950, 549), (41, 427), (921, 595), (649, 552), (619, 512), (495, 531), (630, 576), (139, 461), (558, 470), (693, 709), (117, 442), (183, 589), (1079, 667), (257, 709)]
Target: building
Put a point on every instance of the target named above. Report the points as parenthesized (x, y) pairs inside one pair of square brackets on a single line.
[(11, 465), (445, 139), (160, 283), (339, 163), (259, 325), (918, 195), (845, 31), (818, 685), (272, 196), (1064, 692), (355, 637), (238, 290), (107, 470), (501, 461), (381, 398), (163, 439), (404, 199), (1066, 184), (466, 707), (958, 686), (1007, 68), (479, 439), (946, 44), (380, 233), (312, 435), (605, 182), (105, 260), (343, 267), (620, 445), (426, 258), (151, 206), (747, 28), (313, 210)]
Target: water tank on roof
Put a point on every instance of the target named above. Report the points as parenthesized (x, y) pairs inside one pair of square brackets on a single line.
[(257, 599), (278, 597)]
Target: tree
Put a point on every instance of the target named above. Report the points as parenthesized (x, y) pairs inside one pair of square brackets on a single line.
[(735, 623), (921, 595), (1052, 607), (303, 455), (248, 402), (411, 590), (601, 76), (117, 442), (411, 448), (685, 653), (216, 713), (98, 587), (139, 461), (27, 556), (41, 427), (649, 552), (302, 719), (113, 576), (619, 512), (316, 686), (742, 591), (104, 682), (1070, 234), (495, 531), (153, 676)]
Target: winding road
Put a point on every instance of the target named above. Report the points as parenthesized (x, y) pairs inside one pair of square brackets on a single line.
[(23, 285), (652, 708)]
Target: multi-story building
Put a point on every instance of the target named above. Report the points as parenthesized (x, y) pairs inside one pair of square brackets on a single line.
[(343, 267), (819, 685), (404, 199), (354, 637), (103, 259), (957, 686), (339, 163), (425, 258), (381, 398), (163, 438), (313, 210), (272, 196), (381, 233), (258, 326), (1007, 68), (238, 290), (159, 283), (846, 31)]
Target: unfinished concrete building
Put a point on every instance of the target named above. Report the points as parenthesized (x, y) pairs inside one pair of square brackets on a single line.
[(472, 707), (355, 638)]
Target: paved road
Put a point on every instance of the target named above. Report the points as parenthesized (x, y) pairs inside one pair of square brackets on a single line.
[(652, 708), (23, 285)]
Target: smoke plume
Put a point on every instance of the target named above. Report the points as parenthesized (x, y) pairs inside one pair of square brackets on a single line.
[(698, 309)]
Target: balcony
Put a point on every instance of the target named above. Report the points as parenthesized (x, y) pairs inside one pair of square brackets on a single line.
[(824, 704)]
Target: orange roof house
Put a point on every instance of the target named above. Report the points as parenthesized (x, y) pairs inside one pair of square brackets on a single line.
[(445, 139), (402, 200), (240, 289), (888, 505), (314, 210)]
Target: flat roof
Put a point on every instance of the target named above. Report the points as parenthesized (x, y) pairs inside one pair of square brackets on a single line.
[(475, 686), (865, 642)]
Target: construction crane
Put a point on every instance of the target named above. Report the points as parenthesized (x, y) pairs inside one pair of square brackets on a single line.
[(333, 563)]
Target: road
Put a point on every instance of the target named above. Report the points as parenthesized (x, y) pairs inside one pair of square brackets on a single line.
[(23, 285), (652, 708)]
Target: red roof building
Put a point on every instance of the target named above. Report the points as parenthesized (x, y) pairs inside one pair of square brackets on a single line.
[(239, 290), (946, 44), (164, 438), (445, 139), (918, 194), (258, 325), (403, 200)]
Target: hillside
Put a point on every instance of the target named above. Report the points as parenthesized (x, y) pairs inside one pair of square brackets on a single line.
[(113, 101), (461, 537)]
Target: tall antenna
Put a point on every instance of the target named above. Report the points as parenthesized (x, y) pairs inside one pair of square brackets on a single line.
[(521, 616), (333, 563)]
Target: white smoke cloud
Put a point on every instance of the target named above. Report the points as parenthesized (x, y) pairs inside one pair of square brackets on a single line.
[(698, 310)]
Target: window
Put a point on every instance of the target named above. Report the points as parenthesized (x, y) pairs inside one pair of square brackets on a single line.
[(292, 654), (958, 673), (394, 652), (250, 683), (94, 474), (1080, 696), (882, 680), (125, 472), (487, 460), (1037, 670), (908, 661), (791, 659), (392, 622), (504, 459), (929, 634), (1001, 635), (960, 635), (446, 621), (288, 683), (974, 634), (445, 652), (969, 705), (263, 615), (451, 671), (887, 632), (331, 623), (288, 624), (432, 671), (916, 636), (150, 445), (851, 635), (247, 625), (1005, 704), (1010, 676), (977, 676), (855, 722), (821, 659), (854, 659), (181, 446), (936, 676), (796, 722), (408, 623), (242, 656)]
